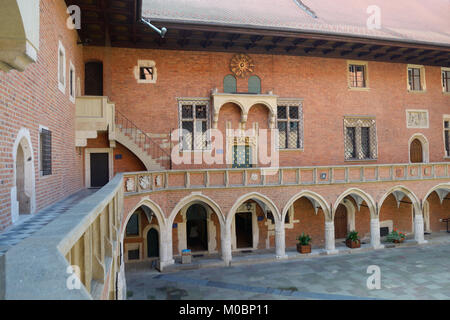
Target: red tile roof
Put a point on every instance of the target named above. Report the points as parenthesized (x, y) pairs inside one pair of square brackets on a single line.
[(426, 21)]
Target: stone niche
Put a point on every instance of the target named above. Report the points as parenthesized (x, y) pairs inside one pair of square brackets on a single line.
[(19, 34)]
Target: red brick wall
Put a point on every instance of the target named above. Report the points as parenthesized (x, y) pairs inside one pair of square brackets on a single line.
[(401, 217), (32, 98), (128, 163), (309, 222), (321, 82), (438, 211)]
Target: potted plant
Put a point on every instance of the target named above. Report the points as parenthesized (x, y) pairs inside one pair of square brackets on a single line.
[(396, 236), (304, 243), (352, 240)]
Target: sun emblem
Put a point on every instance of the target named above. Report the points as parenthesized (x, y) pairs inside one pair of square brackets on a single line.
[(241, 65)]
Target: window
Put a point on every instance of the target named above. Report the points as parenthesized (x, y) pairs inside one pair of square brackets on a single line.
[(229, 84), (447, 136), (145, 71), (133, 254), (133, 225), (416, 78), (254, 85), (290, 125), (360, 138), (194, 120), (72, 86), (446, 79), (357, 77), (61, 67), (45, 143)]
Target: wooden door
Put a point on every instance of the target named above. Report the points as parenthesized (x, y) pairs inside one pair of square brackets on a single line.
[(416, 153), (99, 169), (244, 230), (93, 79), (152, 243), (340, 222)]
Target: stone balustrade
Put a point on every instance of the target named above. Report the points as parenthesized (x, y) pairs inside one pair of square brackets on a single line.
[(144, 182), (85, 238)]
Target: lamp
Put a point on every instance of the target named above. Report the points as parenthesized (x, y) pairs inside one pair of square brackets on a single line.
[(249, 206)]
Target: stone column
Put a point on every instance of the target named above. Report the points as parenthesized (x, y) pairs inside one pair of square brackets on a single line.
[(225, 239), (375, 233), (419, 228), (166, 249), (330, 247), (280, 241)]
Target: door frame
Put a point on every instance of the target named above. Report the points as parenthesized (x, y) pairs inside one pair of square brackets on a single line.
[(87, 163), (425, 147), (255, 229), (144, 236)]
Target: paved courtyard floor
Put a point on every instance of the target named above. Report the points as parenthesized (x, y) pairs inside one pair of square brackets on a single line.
[(414, 272)]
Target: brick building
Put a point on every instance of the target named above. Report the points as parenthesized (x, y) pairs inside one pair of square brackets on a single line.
[(236, 130)]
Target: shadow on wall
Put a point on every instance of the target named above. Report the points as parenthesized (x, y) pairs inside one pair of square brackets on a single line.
[(2, 277)]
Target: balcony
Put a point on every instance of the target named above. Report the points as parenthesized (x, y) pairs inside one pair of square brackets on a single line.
[(93, 114)]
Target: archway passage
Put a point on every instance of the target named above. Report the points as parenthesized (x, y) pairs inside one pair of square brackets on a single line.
[(152, 243), (244, 230), (196, 228), (22, 198), (340, 222), (416, 151)]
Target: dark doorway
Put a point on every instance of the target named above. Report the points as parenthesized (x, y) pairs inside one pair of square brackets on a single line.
[(416, 152), (99, 169), (93, 83), (152, 243), (244, 230), (196, 228), (340, 222)]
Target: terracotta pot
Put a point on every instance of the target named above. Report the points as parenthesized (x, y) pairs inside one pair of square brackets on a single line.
[(303, 248), (353, 244)]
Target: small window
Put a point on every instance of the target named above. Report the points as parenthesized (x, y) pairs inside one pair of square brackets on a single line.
[(447, 136), (445, 80), (360, 141), (229, 84), (132, 228), (61, 67), (45, 143), (194, 124), (290, 126), (416, 78), (357, 76), (254, 85), (146, 73), (133, 254), (72, 86)]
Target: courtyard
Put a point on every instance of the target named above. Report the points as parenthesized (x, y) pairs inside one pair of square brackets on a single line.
[(410, 272)]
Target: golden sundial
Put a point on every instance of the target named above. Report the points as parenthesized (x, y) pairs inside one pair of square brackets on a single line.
[(241, 65)]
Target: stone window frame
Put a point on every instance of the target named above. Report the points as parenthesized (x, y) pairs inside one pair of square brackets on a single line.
[(72, 82), (365, 64), (295, 102), (290, 225), (40, 155), (422, 78), (444, 69), (194, 102), (355, 121), (446, 117), (61, 64), (149, 64), (134, 236)]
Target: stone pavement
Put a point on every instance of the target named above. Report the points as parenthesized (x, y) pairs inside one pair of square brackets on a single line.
[(409, 272), (32, 223)]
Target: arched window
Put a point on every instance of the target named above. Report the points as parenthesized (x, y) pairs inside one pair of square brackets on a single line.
[(254, 85), (229, 84)]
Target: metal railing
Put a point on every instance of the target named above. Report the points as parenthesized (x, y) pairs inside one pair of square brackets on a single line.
[(141, 139)]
